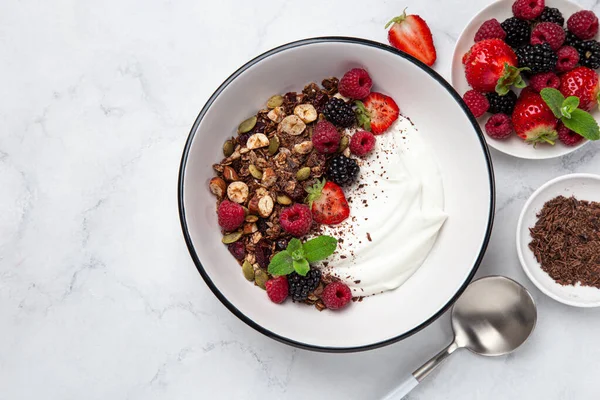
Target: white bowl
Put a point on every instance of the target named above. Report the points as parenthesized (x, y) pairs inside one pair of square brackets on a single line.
[(583, 187), (513, 146), (440, 115)]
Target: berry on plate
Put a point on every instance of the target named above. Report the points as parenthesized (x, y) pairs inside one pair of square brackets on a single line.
[(499, 126), (501, 104), (568, 57), (490, 29), (589, 54), (491, 66), (377, 112), (339, 113), (362, 143), (544, 80), (551, 14), (230, 215), (301, 286), (277, 289), (342, 170), (567, 136), (410, 34), (533, 120), (528, 9), (583, 83), (328, 203), (325, 138), (355, 84), (296, 220), (336, 295), (477, 102), (538, 58), (548, 32), (517, 31), (583, 24)]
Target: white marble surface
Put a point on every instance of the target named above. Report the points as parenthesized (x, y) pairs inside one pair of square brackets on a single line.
[(98, 296)]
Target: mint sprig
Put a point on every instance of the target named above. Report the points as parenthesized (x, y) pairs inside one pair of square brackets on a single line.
[(298, 256), (577, 120)]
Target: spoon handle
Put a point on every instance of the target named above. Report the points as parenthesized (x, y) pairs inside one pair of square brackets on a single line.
[(420, 373)]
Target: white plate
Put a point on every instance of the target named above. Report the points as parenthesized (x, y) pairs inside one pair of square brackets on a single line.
[(583, 187), (453, 135), (513, 146)]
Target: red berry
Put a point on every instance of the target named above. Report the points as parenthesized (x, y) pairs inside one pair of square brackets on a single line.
[(277, 289), (296, 220), (477, 102), (490, 29), (581, 82), (326, 138), (568, 57), (583, 24), (355, 84), (548, 32), (528, 9), (231, 215), (544, 80), (336, 295), (362, 142), (238, 250), (567, 136), (499, 126)]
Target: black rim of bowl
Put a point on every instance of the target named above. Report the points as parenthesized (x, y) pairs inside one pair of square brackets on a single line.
[(194, 255)]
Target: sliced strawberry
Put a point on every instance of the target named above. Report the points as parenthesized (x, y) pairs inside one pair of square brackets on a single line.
[(410, 34), (377, 112), (328, 203)]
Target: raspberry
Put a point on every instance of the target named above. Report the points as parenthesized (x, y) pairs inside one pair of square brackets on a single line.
[(355, 84), (296, 220), (477, 102), (238, 250), (544, 80), (567, 136), (231, 215), (548, 32), (552, 15), (326, 138), (502, 104), (342, 170), (499, 126), (490, 29), (339, 112), (301, 286), (277, 289), (517, 31), (528, 9), (584, 24), (361, 143), (336, 295), (568, 57)]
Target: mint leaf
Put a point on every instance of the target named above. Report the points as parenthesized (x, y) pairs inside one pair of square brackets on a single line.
[(319, 248), (582, 123), (570, 104), (281, 264), (301, 267), (362, 115), (294, 248), (554, 99)]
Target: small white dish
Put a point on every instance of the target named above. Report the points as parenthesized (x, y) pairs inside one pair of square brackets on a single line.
[(583, 187), (514, 146)]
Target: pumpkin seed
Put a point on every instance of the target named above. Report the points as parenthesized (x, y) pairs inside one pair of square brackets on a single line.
[(344, 141), (284, 200), (275, 101), (251, 218), (273, 145), (303, 174), (231, 237), (248, 270), (228, 148), (261, 278), (255, 172), (247, 125)]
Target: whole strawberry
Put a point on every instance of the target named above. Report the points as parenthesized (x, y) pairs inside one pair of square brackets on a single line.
[(489, 61), (583, 83), (532, 119)]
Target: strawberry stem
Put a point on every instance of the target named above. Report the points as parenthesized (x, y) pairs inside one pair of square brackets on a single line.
[(397, 20)]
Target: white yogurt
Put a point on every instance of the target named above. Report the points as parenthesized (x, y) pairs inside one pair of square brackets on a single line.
[(396, 212)]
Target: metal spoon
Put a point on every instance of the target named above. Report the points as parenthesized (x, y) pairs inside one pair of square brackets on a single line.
[(493, 317)]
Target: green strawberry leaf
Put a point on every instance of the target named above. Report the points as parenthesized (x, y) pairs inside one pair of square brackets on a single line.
[(511, 76), (301, 266), (281, 264), (554, 99), (362, 116), (582, 123), (570, 104), (314, 191), (319, 248)]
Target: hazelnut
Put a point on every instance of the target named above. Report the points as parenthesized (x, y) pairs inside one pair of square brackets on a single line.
[(249, 228), (306, 112), (292, 125), (253, 205), (304, 147), (265, 206), (269, 177), (217, 186), (237, 192), (277, 114), (229, 174), (257, 141)]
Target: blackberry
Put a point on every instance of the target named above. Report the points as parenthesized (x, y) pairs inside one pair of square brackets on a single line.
[(572, 40), (589, 54), (502, 104), (301, 286), (338, 112), (552, 15), (517, 31), (538, 58), (342, 170)]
